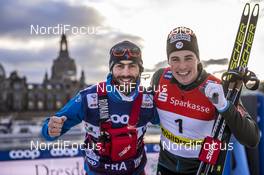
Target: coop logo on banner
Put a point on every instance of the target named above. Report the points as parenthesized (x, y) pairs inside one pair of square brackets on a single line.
[(24, 154), (64, 152)]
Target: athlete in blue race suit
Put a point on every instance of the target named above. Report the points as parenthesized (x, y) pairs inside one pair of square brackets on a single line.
[(110, 123)]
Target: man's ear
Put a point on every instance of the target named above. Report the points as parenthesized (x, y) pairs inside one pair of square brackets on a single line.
[(200, 65)]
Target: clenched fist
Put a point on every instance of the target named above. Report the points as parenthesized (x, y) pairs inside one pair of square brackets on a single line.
[(216, 95), (55, 124)]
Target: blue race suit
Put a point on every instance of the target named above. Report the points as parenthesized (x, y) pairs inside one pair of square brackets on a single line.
[(84, 107)]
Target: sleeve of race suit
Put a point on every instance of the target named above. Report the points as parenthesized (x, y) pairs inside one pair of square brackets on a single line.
[(154, 85), (73, 110), (242, 125), (155, 116), (155, 78)]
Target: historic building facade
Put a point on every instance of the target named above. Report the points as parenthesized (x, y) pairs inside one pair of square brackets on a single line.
[(16, 95)]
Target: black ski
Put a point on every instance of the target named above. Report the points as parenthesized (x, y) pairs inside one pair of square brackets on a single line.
[(236, 75)]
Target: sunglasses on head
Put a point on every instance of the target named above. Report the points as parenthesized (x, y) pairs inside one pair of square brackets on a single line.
[(121, 51)]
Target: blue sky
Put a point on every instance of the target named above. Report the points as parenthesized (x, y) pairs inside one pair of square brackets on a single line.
[(145, 22)]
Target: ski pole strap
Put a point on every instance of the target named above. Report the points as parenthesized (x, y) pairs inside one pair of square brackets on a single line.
[(244, 75), (251, 81)]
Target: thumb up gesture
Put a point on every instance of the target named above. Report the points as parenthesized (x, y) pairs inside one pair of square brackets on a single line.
[(55, 124)]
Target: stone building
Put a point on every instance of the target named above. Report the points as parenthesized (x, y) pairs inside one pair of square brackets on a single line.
[(16, 95)]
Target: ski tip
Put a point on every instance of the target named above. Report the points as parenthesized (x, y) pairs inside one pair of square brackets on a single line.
[(255, 10), (246, 9)]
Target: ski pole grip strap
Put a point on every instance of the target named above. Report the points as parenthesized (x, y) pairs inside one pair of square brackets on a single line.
[(251, 81), (210, 150)]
